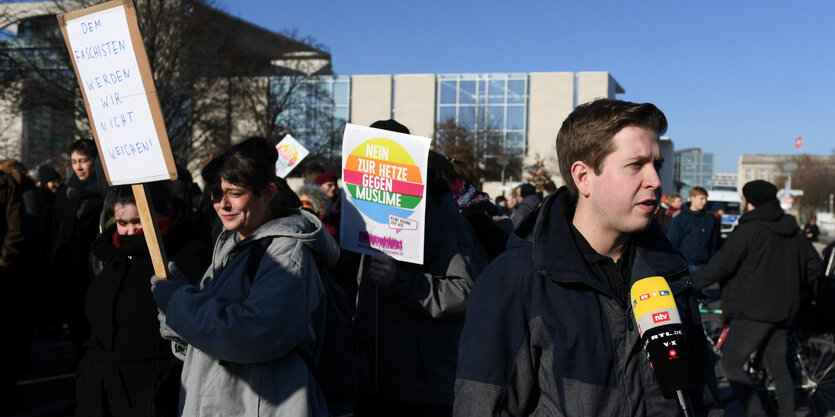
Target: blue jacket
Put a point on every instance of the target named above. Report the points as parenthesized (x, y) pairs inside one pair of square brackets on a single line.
[(544, 336), (695, 235)]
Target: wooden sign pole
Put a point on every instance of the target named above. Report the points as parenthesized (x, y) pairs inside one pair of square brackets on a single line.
[(148, 217)]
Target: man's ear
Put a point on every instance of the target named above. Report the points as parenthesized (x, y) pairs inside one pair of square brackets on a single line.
[(582, 175)]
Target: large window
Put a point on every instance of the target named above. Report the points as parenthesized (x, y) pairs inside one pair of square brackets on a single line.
[(316, 109), (489, 105)]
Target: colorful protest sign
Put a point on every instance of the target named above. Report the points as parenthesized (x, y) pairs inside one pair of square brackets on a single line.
[(112, 68), (290, 154), (384, 192)]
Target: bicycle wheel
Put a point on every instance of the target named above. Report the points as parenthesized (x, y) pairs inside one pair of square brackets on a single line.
[(819, 375)]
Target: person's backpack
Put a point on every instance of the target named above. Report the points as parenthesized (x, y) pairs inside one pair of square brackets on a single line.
[(337, 370)]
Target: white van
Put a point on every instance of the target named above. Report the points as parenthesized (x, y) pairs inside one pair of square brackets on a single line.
[(731, 203)]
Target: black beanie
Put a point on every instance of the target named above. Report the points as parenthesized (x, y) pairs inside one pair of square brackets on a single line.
[(526, 190), (391, 125), (47, 173), (758, 192)]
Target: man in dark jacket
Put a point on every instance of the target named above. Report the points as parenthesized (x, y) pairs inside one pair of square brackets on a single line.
[(409, 316), (549, 328), (527, 200), (75, 220), (694, 232), (763, 268)]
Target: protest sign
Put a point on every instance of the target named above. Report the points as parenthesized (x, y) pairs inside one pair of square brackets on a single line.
[(384, 192), (112, 68), (114, 75), (290, 154)]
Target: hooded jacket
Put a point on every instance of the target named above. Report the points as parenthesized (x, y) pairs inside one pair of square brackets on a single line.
[(694, 234), (246, 336), (763, 267), (545, 336)]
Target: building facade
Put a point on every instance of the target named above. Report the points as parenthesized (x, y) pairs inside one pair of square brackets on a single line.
[(693, 168)]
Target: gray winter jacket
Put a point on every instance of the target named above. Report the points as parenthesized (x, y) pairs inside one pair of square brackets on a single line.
[(246, 334)]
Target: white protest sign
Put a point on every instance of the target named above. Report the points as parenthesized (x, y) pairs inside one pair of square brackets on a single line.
[(384, 192), (114, 75), (290, 155)]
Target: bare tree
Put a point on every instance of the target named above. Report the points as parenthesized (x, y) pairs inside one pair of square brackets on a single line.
[(538, 174), (479, 149), (212, 73), (815, 175)]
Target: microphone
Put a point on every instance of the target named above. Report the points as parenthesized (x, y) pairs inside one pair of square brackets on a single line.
[(662, 335)]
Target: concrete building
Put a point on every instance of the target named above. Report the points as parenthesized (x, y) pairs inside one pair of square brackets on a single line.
[(525, 110)]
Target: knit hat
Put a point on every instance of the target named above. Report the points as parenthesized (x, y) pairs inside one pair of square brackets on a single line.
[(526, 190), (47, 173), (391, 125), (325, 177), (758, 192)]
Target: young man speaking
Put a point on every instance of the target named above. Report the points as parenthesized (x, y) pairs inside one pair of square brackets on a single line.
[(549, 329)]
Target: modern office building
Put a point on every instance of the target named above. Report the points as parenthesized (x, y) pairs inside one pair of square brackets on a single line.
[(524, 109), (693, 169)]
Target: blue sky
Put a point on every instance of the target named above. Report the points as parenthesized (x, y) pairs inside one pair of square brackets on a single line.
[(732, 77)]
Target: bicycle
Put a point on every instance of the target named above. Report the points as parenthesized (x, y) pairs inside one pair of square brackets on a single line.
[(812, 365)]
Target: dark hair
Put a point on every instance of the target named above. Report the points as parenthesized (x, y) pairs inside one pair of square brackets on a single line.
[(123, 194), (84, 146), (249, 164), (586, 134)]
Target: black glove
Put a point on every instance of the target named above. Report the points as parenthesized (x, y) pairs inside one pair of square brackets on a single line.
[(163, 289)]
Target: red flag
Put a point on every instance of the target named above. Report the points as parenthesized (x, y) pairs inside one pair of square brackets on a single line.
[(798, 142)]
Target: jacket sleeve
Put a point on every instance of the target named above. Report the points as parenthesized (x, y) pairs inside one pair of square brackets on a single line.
[(12, 206), (724, 263), (496, 373), (273, 319), (440, 288)]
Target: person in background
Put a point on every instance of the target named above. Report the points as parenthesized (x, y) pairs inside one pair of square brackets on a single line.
[(811, 229), (27, 285), (328, 182), (316, 200), (13, 240), (75, 220), (694, 231), (127, 368), (501, 204), (549, 327), (527, 201), (674, 203), (764, 269), (255, 323), (409, 316)]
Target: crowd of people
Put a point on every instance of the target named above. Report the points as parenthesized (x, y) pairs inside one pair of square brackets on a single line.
[(521, 306)]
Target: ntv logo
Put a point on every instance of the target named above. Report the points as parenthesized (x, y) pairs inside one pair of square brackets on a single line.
[(659, 317)]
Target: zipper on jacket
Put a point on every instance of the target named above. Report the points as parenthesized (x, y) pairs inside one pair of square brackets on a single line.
[(628, 303)]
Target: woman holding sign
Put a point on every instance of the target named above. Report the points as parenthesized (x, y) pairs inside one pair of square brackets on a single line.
[(127, 369), (257, 318)]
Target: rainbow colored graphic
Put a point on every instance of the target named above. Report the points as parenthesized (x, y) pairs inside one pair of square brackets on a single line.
[(383, 179), (288, 155)]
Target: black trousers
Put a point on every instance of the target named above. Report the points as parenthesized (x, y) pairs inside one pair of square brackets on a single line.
[(745, 337)]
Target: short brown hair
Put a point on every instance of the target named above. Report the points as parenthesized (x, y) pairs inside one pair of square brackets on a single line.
[(697, 191), (586, 134)]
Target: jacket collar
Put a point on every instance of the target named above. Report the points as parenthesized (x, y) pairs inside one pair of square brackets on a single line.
[(556, 256)]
